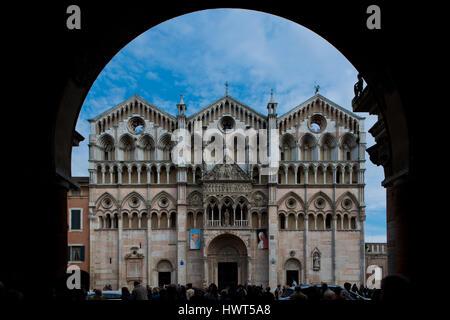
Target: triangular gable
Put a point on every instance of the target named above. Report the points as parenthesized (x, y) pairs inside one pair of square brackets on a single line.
[(226, 172), (223, 100), (325, 100), (130, 100)]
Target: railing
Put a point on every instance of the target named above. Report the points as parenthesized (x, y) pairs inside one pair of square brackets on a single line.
[(222, 224), (376, 248)]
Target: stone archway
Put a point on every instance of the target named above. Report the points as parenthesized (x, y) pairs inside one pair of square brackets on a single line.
[(226, 261), (164, 273), (293, 271)]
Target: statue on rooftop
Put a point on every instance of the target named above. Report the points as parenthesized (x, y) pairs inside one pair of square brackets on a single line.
[(358, 87)]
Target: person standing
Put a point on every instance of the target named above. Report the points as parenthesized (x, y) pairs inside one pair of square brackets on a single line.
[(149, 292), (268, 296), (327, 294), (345, 292), (298, 295), (98, 295), (126, 295), (139, 292), (278, 292), (189, 292)]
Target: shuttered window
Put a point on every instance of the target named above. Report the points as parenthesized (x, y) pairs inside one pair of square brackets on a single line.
[(75, 253), (75, 219)]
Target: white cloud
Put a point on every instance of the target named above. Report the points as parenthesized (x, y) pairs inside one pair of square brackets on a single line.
[(151, 75)]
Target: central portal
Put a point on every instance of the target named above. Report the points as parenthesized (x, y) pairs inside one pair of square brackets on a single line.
[(228, 275), (226, 261)]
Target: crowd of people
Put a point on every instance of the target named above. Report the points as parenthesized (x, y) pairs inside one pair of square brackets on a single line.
[(252, 293), (394, 288)]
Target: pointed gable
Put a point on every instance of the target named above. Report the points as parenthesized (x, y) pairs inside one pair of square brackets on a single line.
[(320, 104), (134, 105), (226, 105), (226, 172)]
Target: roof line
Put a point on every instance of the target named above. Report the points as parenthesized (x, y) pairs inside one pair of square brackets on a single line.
[(318, 95), (226, 97), (137, 97)]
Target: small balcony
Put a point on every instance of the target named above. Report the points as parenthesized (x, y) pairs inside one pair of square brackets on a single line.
[(221, 224)]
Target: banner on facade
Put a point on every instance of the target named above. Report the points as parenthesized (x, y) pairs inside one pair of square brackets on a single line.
[(261, 235), (195, 239)]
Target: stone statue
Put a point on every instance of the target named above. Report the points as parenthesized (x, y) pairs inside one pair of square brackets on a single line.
[(227, 218), (358, 87), (316, 89), (316, 261)]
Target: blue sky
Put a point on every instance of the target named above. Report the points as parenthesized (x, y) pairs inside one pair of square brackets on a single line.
[(254, 52)]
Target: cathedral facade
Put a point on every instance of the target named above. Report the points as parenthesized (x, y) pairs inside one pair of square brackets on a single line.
[(229, 220)]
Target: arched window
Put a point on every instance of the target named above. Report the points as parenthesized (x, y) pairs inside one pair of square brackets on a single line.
[(163, 221), (108, 222), (320, 222), (135, 221), (107, 144), (125, 222), (144, 221), (282, 221), (165, 144), (154, 220), (148, 147), (190, 221), (287, 147), (308, 145), (190, 175), (328, 147), (198, 174), (199, 220), (345, 224), (291, 222), (255, 220), (338, 222), (311, 222), (349, 151), (173, 220), (127, 146), (264, 220), (328, 222), (301, 222), (353, 223), (116, 221)]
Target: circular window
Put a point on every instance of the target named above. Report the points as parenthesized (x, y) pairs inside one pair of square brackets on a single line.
[(347, 204), (320, 203), (163, 202), (290, 203), (107, 203), (226, 124), (136, 125), (134, 202), (317, 123)]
